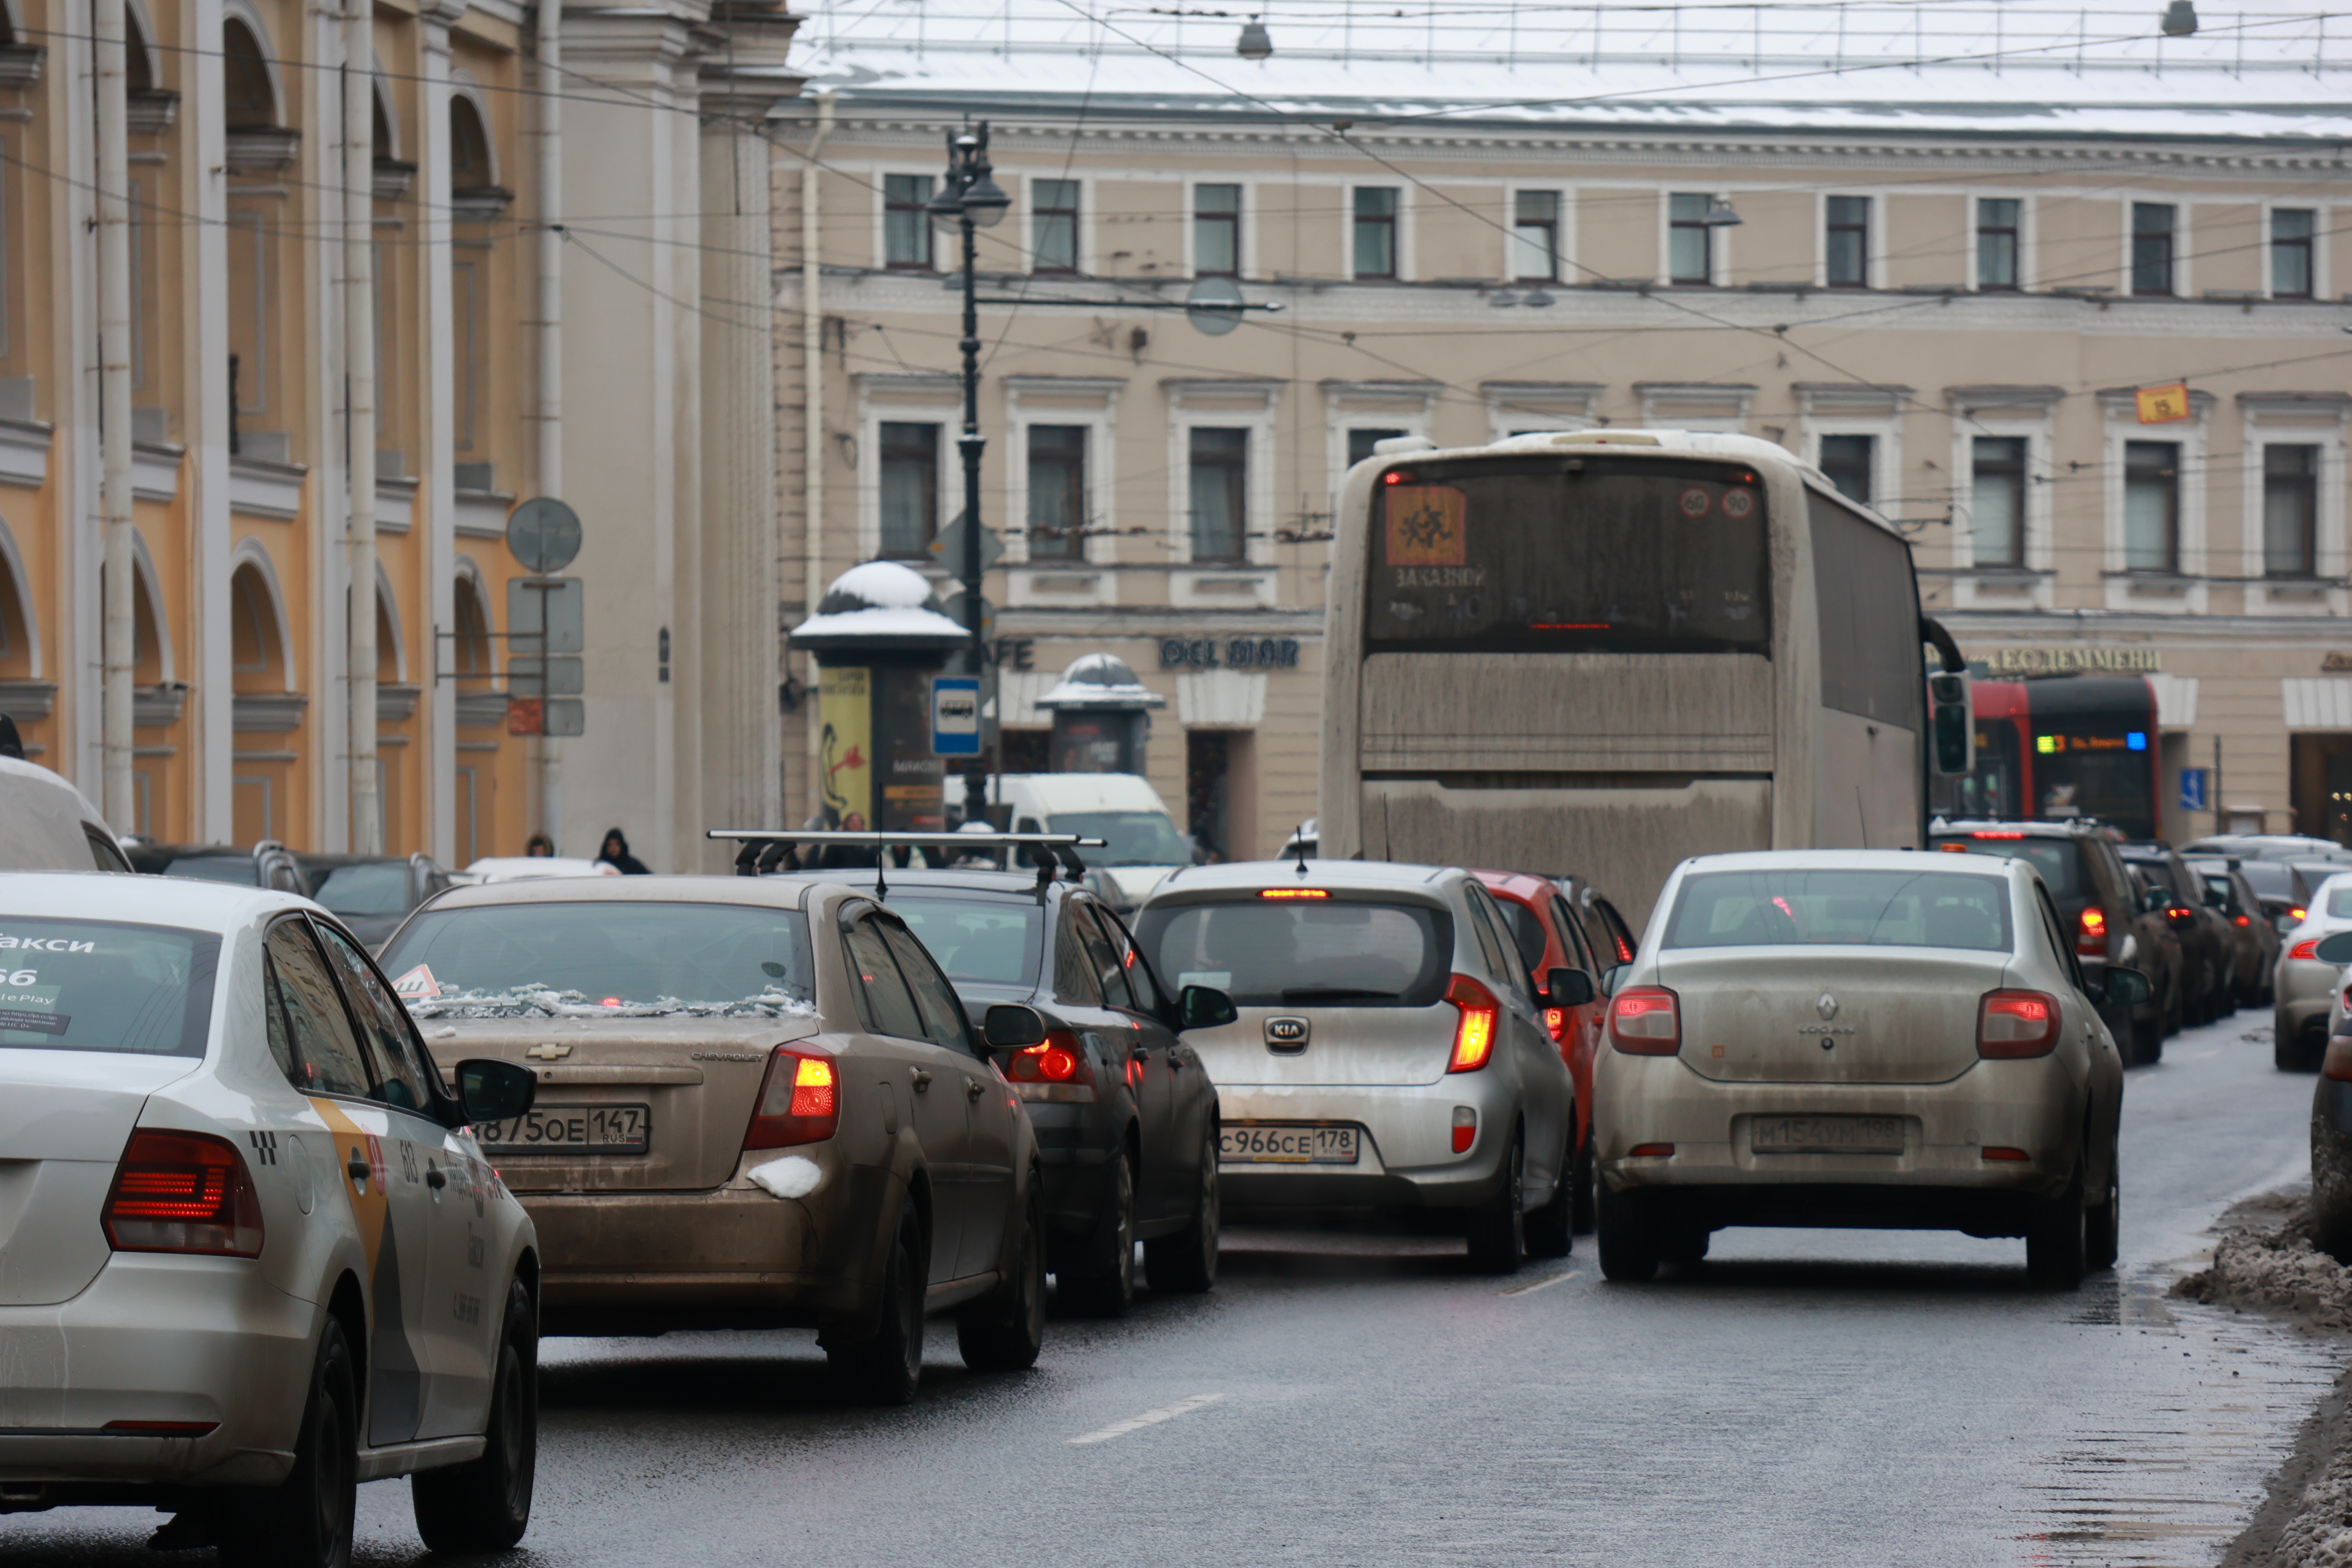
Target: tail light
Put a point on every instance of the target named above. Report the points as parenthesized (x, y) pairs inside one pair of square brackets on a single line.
[(2337, 1063), (1646, 1021), (2308, 948), (1054, 1069), (2179, 913), (1465, 1127), (2297, 916), (1556, 1024), (2012, 1024), (183, 1191), (799, 1102), (2090, 933), (1473, 1032), (2242, 919)]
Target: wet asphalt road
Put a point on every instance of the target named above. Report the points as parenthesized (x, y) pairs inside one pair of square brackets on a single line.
[(1803, 1398)]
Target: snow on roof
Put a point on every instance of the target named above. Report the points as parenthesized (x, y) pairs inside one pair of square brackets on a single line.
[(883, 604), (1100, 680), (2022, 67)]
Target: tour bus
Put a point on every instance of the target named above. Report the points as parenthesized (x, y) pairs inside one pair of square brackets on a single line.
[(1611, 649), (2063, 746)]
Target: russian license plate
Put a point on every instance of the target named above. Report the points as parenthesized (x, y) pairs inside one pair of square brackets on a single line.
[(1279, 1145), (570, 1130), (1826, 1135)]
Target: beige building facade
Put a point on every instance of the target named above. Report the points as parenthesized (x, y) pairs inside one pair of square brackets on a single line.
[(1944, 285)]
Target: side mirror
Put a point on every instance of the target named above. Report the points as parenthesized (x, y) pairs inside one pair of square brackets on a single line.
[(1610, 978), (495, 1090), (2152, 899), (1567, 988), (1011, 1027), (1205, 1007), (2216, 898), (2337, 949), (2124, 987)]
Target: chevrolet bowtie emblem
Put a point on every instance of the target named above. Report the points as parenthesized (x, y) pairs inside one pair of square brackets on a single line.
[(550, 1052)]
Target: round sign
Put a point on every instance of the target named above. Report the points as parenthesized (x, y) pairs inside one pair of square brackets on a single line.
[(1737, 504), (1695, 502), (544, 534), (1215, 306)]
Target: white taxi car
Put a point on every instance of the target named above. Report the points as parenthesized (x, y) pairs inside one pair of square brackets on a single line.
[(250, 1254)]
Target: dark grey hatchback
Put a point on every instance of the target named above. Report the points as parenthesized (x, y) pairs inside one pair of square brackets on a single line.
[(1125, 1115)]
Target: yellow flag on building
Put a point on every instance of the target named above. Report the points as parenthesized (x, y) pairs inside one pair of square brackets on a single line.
[(2163, 404)]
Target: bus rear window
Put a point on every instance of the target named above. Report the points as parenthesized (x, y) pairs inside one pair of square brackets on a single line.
[(1561, 554)]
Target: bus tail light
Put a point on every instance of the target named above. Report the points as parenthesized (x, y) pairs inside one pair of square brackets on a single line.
[(2091, 934), (2014, 1024), (1646, 1021), (183, 1191), (799, 1102), (1473, 1032)]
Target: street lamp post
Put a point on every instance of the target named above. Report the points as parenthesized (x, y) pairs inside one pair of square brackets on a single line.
[(974, 202)]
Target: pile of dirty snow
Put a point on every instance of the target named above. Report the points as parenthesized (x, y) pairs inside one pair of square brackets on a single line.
[(2276, 1268)]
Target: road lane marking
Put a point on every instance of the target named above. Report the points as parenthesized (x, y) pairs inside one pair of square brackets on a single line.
[(1168, 1412), (1544, 1284)]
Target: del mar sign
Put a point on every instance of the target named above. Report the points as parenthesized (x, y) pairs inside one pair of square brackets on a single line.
[(2059, 661)]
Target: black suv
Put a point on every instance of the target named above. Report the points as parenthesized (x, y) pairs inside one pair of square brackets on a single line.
[(2208, 964), (2096, 896)]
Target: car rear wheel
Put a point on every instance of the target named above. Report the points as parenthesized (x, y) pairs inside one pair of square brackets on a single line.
[(2304, 1052), (1629, 1247), (1498, 1228), (1188, 1260), (887, 1368), (1004, 1330), (306, 1521), (1110, 1290), (2101, 1244), (1552, 1229), (2057, 1237), (485, 1505), (2147, 1039), (1584, 1187)]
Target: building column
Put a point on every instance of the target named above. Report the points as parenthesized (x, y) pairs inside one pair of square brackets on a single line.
[(325, 669), (438, 490), (211, 727)]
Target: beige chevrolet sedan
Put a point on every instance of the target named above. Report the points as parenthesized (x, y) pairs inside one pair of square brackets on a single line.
[(760, 1105), (1890, 1038)]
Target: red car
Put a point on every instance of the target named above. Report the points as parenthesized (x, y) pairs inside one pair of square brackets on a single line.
[(1549, 936)]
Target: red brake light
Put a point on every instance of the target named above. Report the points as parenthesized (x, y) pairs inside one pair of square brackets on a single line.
[(799, 1102), (183, 1191), (2244, 921), (1651, 1151), (1556, 1024), (2178, 912), (2297, 915), (1998, 1152), (1054, 1069), (2308, 948), (1646, 1021), (1294, 892), (2090, 936), (2013, 1024), (1996, 833), (1473, 1032)]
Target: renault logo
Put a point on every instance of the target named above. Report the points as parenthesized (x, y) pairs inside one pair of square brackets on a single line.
[(1827, 1006), (1287, 1034), (550, 1052)]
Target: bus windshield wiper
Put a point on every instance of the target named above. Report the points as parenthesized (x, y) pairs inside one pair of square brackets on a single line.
[(1336, 993)]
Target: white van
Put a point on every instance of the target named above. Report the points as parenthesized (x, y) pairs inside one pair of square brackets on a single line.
[(46, 825), (1141, 842)]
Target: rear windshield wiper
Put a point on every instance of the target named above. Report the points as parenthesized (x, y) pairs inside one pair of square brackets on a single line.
[(1338, 994)]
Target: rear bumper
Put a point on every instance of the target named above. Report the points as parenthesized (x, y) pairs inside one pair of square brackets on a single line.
[(1405, 1157), (2029, 1106), (734, 1257), (157, 1338)]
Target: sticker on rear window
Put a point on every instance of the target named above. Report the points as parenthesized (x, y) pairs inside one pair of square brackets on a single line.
[(416, 985), (36, 1023), (1428, 525)]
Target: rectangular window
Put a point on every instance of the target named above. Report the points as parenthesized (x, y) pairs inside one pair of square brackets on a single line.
[(1360, 443), (906, 226), (1220, 476), (1535, 237), (2152, 506), (1690, 244), (1058, 492), (1216, 231), (1997, 500), (1846, 242), (1376, 231), (1997, 243), (466, 313), (2291, 269), (911, 489), (1054, 226), (1847, 460), (2290, 511), (2151, 248)]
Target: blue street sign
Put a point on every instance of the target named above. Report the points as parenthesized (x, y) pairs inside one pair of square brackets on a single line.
[(2192, 790), (955, 716)]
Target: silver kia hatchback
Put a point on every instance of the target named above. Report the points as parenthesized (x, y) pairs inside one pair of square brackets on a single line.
[(1388, 1052)]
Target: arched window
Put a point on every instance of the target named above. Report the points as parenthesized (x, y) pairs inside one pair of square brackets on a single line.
[(383, 142), (469, 147), (472, 649), (139, 59), (254, 639), (252, 100)]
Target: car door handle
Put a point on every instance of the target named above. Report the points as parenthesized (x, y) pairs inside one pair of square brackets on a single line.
[(1140, 1052), (922, 1081), (359, 1168), (434, 1178), (973, 1088)]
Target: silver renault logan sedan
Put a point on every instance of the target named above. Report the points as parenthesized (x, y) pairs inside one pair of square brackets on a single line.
[(1884, 1038), (1389, 1050)]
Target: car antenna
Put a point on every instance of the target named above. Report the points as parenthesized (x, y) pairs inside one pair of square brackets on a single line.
[(1298, 837)]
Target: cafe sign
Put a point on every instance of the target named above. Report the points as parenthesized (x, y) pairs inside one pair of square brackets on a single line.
[(2070, 658)]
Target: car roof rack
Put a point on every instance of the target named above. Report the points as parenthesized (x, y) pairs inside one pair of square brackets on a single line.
[(764, 849)]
